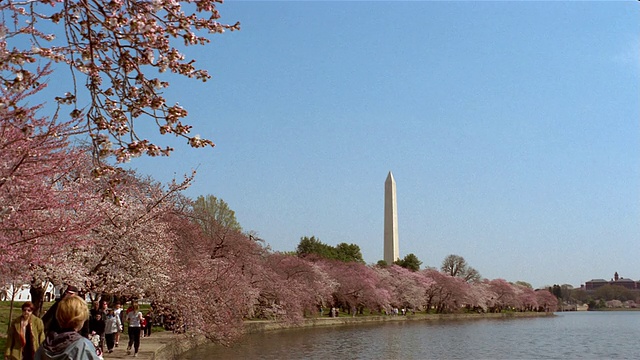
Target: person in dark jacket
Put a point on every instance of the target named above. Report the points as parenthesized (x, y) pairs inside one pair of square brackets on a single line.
[(68, 344), (49, 318), (97, 325), (148, 323)]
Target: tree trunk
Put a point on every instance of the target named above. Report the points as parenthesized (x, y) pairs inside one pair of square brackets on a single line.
[(37, 295), (13, 292)]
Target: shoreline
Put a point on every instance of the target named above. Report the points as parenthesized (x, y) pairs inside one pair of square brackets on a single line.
[(254, 326)]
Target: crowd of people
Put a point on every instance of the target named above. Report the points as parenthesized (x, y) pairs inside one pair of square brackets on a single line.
[(70, 331)]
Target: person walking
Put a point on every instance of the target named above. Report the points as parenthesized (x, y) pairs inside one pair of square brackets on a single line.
[(104, 307), (95, 309), (134, 318), (26, 333), (119, 313), (148, 320), (49, 318), (68, 344), (112, 327), (97, 327)]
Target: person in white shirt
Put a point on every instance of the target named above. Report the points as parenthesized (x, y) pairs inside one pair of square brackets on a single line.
[(134, 318), (118, 312)]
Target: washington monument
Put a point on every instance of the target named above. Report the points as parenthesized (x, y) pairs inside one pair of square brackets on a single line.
[(391, 253)]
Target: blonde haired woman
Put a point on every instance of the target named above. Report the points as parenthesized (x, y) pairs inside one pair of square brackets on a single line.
[(68, 344), (26, 333)]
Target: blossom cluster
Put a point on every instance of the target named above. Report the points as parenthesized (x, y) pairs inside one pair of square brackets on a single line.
[(117, 52)]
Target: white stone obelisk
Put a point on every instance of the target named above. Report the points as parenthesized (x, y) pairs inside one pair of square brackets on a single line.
[(391, 253)]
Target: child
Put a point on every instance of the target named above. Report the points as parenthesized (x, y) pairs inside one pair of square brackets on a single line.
[(97, 327), (148, 323)]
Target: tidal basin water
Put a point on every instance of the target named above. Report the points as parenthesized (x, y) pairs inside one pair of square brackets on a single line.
[(569, 335)]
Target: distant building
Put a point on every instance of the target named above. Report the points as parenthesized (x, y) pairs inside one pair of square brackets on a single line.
[(617, 280), (21, 292), (594, 284)]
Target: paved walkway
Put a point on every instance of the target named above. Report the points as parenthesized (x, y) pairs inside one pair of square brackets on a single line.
[(148, 346)]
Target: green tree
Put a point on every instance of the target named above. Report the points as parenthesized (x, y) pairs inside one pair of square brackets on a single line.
[(349, 253), (217, 221), (613, 292), (410, 261), (311, 245), (343, 251), (212, 214), (456, 265), (566, 291), (580, 295)]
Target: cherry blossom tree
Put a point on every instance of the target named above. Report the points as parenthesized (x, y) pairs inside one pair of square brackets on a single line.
[(505, 295), (118, 53), (130, 252), (297, 286), (479, 296), (526, 297), (213, 294), (406, 287), (447, 294), (44, 198), (546, 301), (393, 284), (215, 283), (358, 285)]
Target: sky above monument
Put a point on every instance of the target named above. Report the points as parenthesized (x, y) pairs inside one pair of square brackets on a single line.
[(511, 128)]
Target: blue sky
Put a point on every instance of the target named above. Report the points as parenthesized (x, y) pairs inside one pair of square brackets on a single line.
[(511, 128)]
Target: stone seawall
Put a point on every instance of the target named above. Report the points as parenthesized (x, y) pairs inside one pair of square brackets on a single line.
[(178, 345), (258, 326)]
